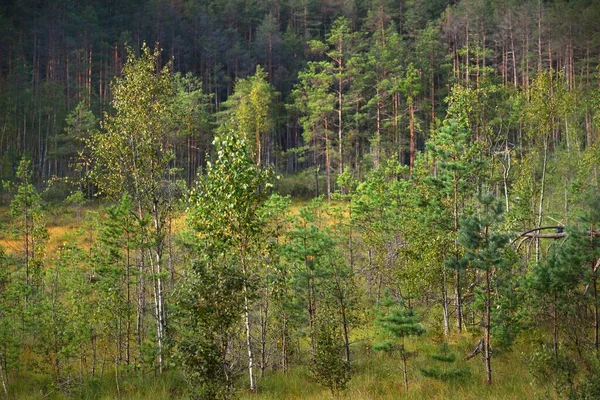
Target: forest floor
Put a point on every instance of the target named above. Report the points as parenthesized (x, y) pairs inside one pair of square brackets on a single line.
[(374, 377)]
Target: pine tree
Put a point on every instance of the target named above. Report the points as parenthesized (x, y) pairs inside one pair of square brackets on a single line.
[(398, 322), (445, 358), (10, 298), (455, 169), (306, 247), (485, 250), (26, 207), (312, 97)]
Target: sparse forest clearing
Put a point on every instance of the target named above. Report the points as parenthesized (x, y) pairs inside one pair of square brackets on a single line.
[(375, 376), (302, 199)]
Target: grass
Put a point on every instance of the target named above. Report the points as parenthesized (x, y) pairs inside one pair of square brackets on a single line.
[(379, 377), (61, 223), (376, 376), (30, 386), (64, 223)]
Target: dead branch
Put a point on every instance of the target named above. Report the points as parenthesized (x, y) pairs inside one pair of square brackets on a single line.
[(478, 348)]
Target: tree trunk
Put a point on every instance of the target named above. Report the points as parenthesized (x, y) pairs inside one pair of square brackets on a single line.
[(542, 192), (128, 295), (264, 318), (311, 306), (411, 115), (248, 329), (258, 149), (404, 368), (555, 326), (596, 322), (539, 35), (327, 161), (2, 376), (457, 295), (161, 323), (117, 376), (141, 300), (445, 304), (377, 157), (284, 351), (514, 55), (93, 344), (506, 173), (340, 122), (488, 309), (340, 295)]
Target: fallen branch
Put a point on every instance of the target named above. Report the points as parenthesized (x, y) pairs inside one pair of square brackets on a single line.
[(477, 350)]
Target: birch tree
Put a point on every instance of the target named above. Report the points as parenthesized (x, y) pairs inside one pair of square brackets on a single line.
[(224, 210), (131, 154)]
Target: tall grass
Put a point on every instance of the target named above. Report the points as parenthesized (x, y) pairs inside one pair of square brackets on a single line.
[(30, 386), (379, 377), (375, 377)]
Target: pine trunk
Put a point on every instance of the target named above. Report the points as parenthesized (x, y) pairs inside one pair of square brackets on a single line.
[(487, 349), (411, 115), (327, 161), (457, 295)]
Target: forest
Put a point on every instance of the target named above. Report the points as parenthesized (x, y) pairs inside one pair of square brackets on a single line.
[(299, 199)]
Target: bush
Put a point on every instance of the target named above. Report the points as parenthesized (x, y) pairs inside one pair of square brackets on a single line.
[(302, 185)]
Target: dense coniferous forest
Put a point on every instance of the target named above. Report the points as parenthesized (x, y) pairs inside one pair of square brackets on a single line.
[(365, 199)]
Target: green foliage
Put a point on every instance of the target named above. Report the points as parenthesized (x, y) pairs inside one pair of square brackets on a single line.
[(113, 265), (364, 83), (26, 200), (251, 109), (306, 249), (226, 199), (303, 185), (328, 366), (80, 124), (446, 375), (378, 209), (549, 101), (27, 209), (484, 247), (224, 212), (397, 321), (62, 326), (191, 115), (314, 100), (443, 370), (207, 308), (553, 372), (130, 154)]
